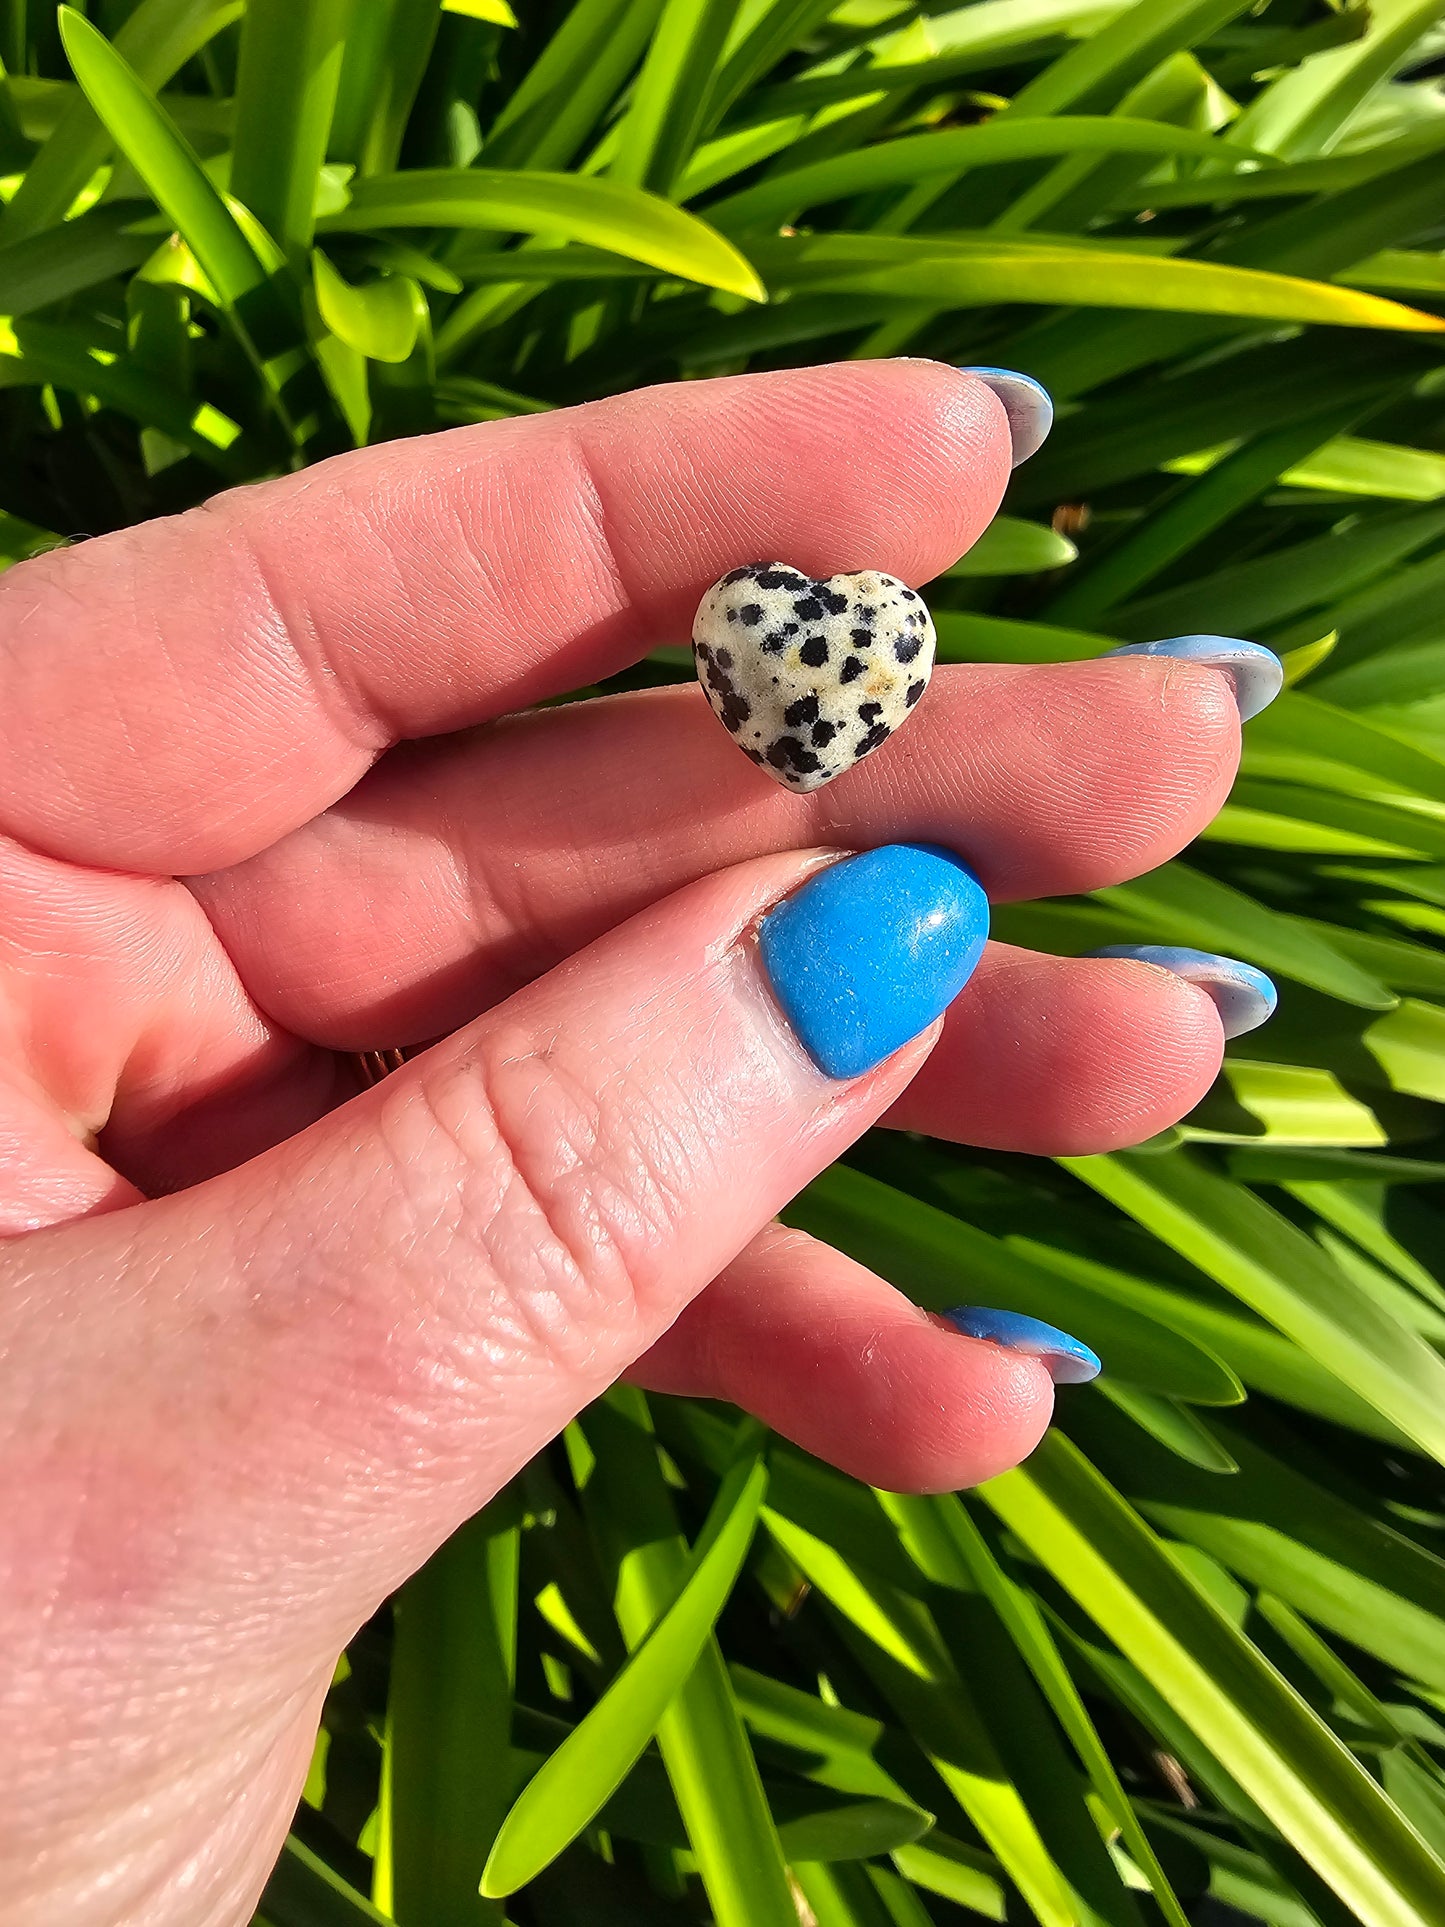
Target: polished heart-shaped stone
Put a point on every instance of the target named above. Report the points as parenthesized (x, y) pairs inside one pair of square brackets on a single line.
[(811, 675)]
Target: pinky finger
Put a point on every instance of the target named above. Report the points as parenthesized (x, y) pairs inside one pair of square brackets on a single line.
[(833, 1358)]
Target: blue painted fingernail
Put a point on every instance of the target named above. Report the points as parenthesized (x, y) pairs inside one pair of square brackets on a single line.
[(1027, 404), (1256, 673), (872, 949), (1069, 1360), (1244, 997)]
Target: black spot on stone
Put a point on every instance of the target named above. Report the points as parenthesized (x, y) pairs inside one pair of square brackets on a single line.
[(774, 643), (814, 652), (804, 710), (852, 669), (869, 712), (824, 733), (791, 628), (907, 647), (879, 733), (756, 755), (734, 708), (808, 608), (910, 595), (778, 578), (915, 690), (862, 638), (732, 615), (834, 602), (788, 753), (703, 651), (751, 613)]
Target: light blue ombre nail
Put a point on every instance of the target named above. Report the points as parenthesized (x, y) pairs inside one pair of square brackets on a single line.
[(1069, 1360), (1244, 997), (871, 950), (1027, 404), (1256, 673)]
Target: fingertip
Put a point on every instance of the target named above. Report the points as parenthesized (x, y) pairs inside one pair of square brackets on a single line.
[(993, 1407)]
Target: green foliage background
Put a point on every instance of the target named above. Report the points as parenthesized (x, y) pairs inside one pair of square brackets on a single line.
[(1193, 1653)]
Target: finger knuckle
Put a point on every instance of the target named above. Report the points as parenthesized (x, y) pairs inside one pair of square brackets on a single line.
[(562, 1184)]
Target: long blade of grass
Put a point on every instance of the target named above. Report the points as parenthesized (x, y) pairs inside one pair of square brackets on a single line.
[(1302, 1776), (157, 39), (1235, 1238), (701, 1737), (290, 62), (448, 1723), (576, 1781), (669, 101), (916, 157), (625, 219)]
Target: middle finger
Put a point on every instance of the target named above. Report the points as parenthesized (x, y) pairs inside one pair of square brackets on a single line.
[(459, 869)]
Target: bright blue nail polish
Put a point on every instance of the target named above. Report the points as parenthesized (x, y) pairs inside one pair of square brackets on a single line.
[(1069, 1360), (1256, 673), (1244, 997), (1027, 404), (871, 950)]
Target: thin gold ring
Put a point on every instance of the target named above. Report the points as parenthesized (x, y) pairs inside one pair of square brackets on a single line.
[(376, 1064)]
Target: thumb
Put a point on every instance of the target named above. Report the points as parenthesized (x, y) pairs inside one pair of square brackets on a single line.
[(290, 1383)]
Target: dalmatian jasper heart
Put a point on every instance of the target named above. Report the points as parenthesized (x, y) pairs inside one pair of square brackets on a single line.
[(811, 676)]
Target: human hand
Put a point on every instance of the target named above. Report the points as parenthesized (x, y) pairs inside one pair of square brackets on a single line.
[(268, 1338)]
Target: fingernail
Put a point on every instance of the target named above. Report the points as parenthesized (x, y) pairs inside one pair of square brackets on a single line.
[(1256, 673), (1244, 997), (1027, 404), (1069, 1360), (871, 950)]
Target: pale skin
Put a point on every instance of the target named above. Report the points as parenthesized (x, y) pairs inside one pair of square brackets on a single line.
[(267, 1338)]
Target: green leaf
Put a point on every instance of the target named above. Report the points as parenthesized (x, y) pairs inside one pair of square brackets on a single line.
[(701, 1737), (388, 46), (1247, 596), (1304, 111), (226, 243), (380, 319), (1278, 1528), (572, 84), (169, 167), (1321, 1799), (1186, 906), (304, 1892), (632, 223), (916, 157), (36, 351), (941, 1262), (1350, 465), (155, 40), (948, 1546), (1101, 67), (1236, 1239), (1011, 547), (290, 62), (1175, 1426), (592, 1762), (669, 100), (977, 273), (448, 1723), (66, 260)]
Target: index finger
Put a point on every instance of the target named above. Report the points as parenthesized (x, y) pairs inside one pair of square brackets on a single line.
[(180, 695)]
